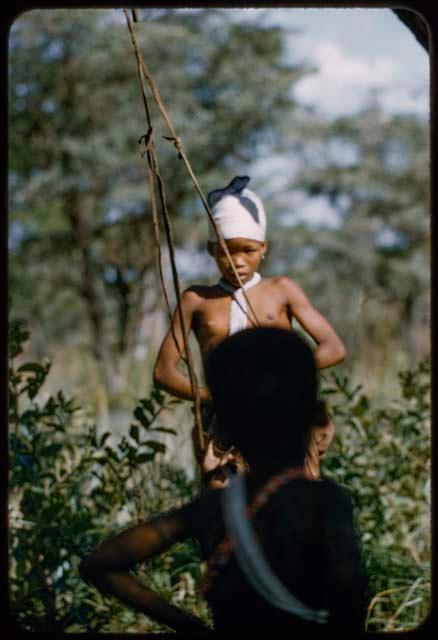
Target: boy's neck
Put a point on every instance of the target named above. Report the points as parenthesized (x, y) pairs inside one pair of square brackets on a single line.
[(254, 279)]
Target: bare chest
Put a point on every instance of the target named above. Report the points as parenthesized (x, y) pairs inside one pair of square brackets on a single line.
[(213, 318)]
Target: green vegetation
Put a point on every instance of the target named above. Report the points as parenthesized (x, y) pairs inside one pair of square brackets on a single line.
[(71, 486), (382, 455), (82, 278)]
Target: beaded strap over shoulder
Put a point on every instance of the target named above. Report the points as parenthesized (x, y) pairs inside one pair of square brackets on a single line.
[(242, 540)]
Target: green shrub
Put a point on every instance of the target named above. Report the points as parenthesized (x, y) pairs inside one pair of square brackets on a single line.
[(70, 486), (382, 455)]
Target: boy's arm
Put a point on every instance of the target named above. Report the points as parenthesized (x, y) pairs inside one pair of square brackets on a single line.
[(166, 373), (330, 348), (108, 569)]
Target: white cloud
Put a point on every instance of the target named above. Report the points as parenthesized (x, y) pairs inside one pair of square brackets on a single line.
[(315, 211), (398, 99), (342, 83), (343, 68)]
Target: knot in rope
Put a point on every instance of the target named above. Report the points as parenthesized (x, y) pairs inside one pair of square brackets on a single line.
[(178, 144), (147, 137)]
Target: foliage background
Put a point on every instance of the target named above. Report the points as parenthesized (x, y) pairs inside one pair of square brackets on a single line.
[(82, 279)]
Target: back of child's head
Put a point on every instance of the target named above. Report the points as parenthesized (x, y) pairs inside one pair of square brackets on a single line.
[(264, 387)]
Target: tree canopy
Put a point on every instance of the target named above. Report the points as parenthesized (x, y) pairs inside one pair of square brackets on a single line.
[(82, 276), (79, 211)]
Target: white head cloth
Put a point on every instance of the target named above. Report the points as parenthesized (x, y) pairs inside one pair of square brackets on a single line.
[(237, 211)]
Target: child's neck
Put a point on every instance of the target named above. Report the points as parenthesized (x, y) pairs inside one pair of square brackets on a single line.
[(252, 281)]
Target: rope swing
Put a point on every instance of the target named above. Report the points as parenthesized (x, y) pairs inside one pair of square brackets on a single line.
[(156, 183)]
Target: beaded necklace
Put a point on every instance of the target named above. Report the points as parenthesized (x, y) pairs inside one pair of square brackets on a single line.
[(224, 549)]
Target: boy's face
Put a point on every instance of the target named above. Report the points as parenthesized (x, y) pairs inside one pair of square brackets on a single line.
[(246, 256)]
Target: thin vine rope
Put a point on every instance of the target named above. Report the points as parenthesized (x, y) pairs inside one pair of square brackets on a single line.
[(155, 176), (148, 141), (182, 155), (157, 233)]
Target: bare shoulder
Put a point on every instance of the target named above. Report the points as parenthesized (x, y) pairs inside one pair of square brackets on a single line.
[(197, 294), (286, 285), (290, 291), (193, 295)]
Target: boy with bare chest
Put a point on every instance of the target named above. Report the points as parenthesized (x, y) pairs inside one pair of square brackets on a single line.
[(214, 312)]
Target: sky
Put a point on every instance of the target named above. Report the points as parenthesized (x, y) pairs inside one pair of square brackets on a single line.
[(360, 49), (354, 51)]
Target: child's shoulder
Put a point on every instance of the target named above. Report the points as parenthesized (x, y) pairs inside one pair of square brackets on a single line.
[(282, 283), (279, 280), (198, 293)]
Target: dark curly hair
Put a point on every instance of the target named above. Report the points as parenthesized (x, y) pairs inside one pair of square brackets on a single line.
[(263, 382)]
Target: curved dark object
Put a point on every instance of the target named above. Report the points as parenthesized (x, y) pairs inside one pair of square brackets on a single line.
[(235, 187), (415, 24)]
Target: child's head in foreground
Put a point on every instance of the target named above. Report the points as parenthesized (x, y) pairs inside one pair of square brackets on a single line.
[(241, 218), (264, 385)]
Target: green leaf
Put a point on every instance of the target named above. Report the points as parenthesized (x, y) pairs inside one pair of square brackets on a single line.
[(173, 401), (147, 404), (104, 437), (33, 367), (111, 453), (165, 430), (144, 457), (141, 417), (25, 461), (17, 336), (158, 395), (156, 446), (134, 432)]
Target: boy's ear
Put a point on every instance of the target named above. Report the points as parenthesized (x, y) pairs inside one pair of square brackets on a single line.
[(210, 248), (264, 247)]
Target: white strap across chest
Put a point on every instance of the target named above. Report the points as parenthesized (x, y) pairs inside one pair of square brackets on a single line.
[(239, 307)]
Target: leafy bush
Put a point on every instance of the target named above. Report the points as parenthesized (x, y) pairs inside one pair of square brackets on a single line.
[(382, 455), (71, 486), (67, 486)]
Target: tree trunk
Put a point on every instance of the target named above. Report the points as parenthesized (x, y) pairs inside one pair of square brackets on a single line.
[(81, 238), (408, 322)]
